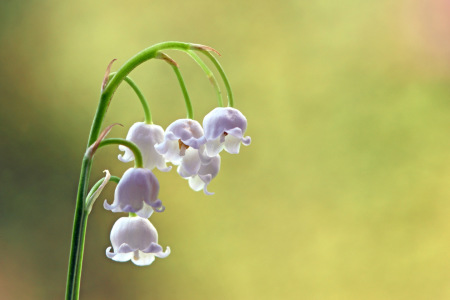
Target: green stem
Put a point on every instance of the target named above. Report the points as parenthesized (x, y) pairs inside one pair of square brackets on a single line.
[(144, 102), (80, 215), (78, 234), (223, 75), (187, 100), (138, 161), (209, 74)]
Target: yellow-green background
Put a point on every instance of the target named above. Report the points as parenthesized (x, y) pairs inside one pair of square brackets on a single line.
[(343, 194)]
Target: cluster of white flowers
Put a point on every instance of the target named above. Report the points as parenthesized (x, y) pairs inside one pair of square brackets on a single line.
[(195, 152)]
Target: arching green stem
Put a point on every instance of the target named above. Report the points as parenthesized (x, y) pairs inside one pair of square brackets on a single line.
[(187, 100), (144, 102), (123, 72), (138, 161), (209, 74), (223, 75)]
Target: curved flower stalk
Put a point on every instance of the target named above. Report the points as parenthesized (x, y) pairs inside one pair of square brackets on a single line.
[(182, 142), (224, 128), (135, 238), (137, 192), (145, 136), (205, 174)]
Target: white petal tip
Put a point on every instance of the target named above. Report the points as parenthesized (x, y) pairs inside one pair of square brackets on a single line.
[(123, 159), (166, 169), (163, 254), (205, 190), (106, 205)]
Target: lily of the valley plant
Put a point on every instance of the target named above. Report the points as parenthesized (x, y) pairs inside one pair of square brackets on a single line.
[(193, 148)]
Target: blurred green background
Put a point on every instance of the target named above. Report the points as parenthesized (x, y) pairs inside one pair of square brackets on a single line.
[(343, 193)]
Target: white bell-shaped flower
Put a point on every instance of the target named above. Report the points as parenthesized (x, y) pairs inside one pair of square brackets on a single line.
[(192, 161), (137, 192), (145, 136), (224, 128), (204, 175), (135, 238), (182, 141)]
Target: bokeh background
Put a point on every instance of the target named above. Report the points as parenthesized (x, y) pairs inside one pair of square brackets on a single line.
[(343, 194)]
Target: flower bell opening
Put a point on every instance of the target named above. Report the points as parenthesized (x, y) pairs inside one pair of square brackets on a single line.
[(183, 147)]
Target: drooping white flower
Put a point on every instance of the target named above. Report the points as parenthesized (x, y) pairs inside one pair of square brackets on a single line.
[(204, 175), (224, 128), (183, 140), (137, 192), (135, 238), (145, 136)]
